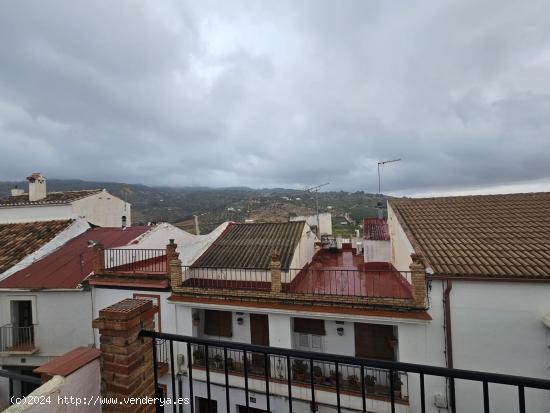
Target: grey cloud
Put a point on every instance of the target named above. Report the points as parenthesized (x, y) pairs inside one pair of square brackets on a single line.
[(277, 93)]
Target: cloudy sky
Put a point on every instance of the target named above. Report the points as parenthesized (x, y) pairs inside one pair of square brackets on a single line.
[(278, 93)]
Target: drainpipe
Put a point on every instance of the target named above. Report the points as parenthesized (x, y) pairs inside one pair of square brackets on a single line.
[(449, 335)]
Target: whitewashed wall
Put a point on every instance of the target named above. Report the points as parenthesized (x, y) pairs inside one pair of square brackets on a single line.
[(401, 247), (35, 213), (305, 250), (325, 221), (63, 321), (376, 251), (103, 209)]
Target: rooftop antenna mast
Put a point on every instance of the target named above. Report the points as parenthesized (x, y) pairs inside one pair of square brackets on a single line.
[(382, 163), (315, 189)]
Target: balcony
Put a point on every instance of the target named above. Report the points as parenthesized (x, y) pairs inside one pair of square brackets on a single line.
[(325, 376), (260, 374), (136, 261), (162, 355), (17, 339), (332, 277)]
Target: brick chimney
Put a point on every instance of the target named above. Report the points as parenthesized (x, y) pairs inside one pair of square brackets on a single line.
[(37, 187), (418, 280), (275, 272), (126, 358)]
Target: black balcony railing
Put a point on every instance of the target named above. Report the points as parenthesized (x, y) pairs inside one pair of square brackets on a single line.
[(208, 360), (136, 260), (307, 281), (16, 338)]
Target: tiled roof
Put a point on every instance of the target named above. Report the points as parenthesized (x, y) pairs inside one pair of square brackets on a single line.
[(67, 266), (19, 240), (488, 235), (51, 198), (375, 229), (251, 245)]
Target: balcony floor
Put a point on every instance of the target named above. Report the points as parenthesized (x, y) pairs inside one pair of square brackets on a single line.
[(344, 273)]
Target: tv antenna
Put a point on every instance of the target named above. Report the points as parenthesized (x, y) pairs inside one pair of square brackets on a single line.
[(382, 163), (315, 189)]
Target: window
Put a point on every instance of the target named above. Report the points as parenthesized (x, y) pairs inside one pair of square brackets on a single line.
[(309, 326), (123, 221), (218, 323), (375, 341), (308, 334)]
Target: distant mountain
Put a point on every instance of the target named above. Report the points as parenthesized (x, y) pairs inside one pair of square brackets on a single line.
[(216, 205)]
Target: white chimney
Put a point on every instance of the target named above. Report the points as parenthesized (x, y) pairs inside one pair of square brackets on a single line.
[(16, 191), (37, 187)]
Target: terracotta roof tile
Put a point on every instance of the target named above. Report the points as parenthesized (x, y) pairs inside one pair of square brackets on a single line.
[(488, 235), (19, 240), (51, 198), (70, 362), (375, 229), (251, 245)]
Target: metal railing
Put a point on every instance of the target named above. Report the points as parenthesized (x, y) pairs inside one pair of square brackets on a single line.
[(347, 282), (294, 368), (376, 382), (18, 377), (307, 281), (136, 260), (233, 278), (16, 338)]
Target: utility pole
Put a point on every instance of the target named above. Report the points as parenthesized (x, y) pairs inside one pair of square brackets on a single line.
[(380, 213), (315, 189), (383, 163)]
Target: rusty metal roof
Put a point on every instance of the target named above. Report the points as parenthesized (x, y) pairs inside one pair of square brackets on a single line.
[(485, 235), (19, 240), (51, 198), (67, 266), (251, 245)]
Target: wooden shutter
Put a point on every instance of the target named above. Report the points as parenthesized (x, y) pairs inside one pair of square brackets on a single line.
[(218, 323), (309, 326), (374, 341)]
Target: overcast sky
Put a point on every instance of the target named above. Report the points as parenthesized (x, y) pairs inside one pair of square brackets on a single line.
[(278, 93)]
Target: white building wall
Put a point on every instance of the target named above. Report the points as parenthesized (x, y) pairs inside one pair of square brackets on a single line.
[(305, 250), (10, 215), (376, 251), (325, 221), (401, 247), (62, 321), (497, 327), (103, 209)]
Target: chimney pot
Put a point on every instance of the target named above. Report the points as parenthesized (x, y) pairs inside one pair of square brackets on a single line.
[(37, 186)]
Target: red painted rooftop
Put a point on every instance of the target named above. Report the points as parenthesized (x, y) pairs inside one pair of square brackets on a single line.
[(70, 264), (375, 229), (343, 272)]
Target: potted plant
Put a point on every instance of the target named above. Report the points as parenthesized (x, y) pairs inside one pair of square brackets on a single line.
[(353, 382), (218, 361), (397, 383), (318, 374), (334, 378), (370, 382), (299, 370), (198, 356), (230, 364)]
